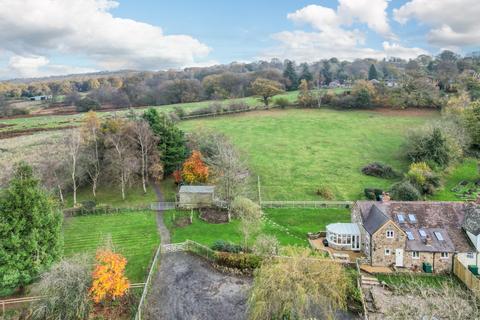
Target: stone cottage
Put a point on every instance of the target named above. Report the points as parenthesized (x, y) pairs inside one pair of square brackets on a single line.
[(407, 234)]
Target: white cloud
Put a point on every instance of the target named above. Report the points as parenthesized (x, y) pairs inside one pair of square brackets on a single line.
[(37, 66), (32, 28), (332, 37), (452, 22), (371, 12)]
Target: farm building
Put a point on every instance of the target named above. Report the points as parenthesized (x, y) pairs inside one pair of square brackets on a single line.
[(195, 196), (40, 98)]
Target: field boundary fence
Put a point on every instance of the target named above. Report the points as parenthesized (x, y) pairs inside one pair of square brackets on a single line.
[(306, 204)]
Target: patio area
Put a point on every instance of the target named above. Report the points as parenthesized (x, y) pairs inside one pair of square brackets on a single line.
[(346, 256)]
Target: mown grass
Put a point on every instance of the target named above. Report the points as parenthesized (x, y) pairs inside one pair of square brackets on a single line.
[(57, 121), (465, 171), (289, 226), (134, 234), (295, 152)]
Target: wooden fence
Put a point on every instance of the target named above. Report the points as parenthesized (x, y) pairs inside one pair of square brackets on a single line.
[(148, 283), (468, 278), (163, 206), (306, 204)]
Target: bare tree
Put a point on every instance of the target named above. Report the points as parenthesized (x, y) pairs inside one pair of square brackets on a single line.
[(54, 170), (73, 142), (91, 149), (142, 136), (121, 154), (250, 215)]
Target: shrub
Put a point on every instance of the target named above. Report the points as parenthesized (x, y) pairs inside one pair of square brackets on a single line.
[(281, 102), (243, 261), (325, 192), (66, 290), (87, 104), (180, 112), (379, 170), (373, 193), (429, 145), (404, 191), (225, 246), (266, 245), (423, 178)]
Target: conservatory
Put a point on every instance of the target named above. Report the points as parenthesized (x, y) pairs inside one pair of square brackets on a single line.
[(343, 236)]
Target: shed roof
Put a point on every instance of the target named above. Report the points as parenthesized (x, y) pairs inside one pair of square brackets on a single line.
[(197, 189), (344, 228)]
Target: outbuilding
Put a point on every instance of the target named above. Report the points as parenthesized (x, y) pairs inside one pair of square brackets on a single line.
[(343, 236), (190, 197)]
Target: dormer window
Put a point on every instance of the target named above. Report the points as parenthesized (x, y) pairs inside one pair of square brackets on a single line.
[(390, 234)]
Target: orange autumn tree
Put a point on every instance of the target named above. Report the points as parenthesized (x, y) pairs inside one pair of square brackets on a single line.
[(194, 169), (109, 281)]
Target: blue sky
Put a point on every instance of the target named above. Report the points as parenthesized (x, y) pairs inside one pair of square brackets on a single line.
[(69, 36)]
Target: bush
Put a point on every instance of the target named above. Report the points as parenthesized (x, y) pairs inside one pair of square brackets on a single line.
[(66, 290), (423, 178), (325, 192), (225, 246), (373, 193), (266, 245), (281, 102), (87, 104), (379, 170), (404, 191), (429, 145), (180, 112), (243, 261)]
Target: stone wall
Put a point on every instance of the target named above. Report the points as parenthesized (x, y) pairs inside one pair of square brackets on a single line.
[(380, 242), (439, 264)]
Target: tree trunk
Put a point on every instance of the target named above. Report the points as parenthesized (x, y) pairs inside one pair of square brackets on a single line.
[(123, 186), (143, 170), (60, 193), (94, 188)]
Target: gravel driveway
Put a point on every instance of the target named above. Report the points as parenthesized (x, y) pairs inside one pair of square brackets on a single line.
[(187, 287)]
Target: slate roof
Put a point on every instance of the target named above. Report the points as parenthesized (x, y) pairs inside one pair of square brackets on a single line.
[(197, 189), (471, 223), (375, 220), (448, 217), (430, 243)]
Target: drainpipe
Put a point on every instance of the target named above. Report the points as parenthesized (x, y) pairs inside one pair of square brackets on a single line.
[(433, 263)]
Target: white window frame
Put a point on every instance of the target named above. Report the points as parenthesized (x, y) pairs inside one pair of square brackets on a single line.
[(388, 251), (470, 255), (392, 234), (415, 255), (444, 255)]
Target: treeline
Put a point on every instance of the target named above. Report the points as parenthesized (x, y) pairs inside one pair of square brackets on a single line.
[(445, 73)]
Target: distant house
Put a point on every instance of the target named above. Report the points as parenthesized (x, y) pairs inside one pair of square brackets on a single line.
[(408, 234), (40, 98), (190, 197), (334, 84)]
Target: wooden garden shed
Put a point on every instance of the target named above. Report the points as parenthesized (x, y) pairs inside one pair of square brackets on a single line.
[(190, 197)]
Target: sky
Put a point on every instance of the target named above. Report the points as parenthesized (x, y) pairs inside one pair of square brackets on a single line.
[(54, 37)]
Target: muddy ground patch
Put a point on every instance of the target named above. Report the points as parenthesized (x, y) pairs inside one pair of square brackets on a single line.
[(188, 287)]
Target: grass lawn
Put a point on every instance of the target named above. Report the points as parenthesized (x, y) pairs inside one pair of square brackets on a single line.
[(289, 226), (134, 234), (465, 171), (111, 195), (296, 151), (401, 280)]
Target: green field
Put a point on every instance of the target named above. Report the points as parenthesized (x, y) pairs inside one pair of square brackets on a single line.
[(295, 152), (289, 226), (134, 234), (57, 121), (465, 171)]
